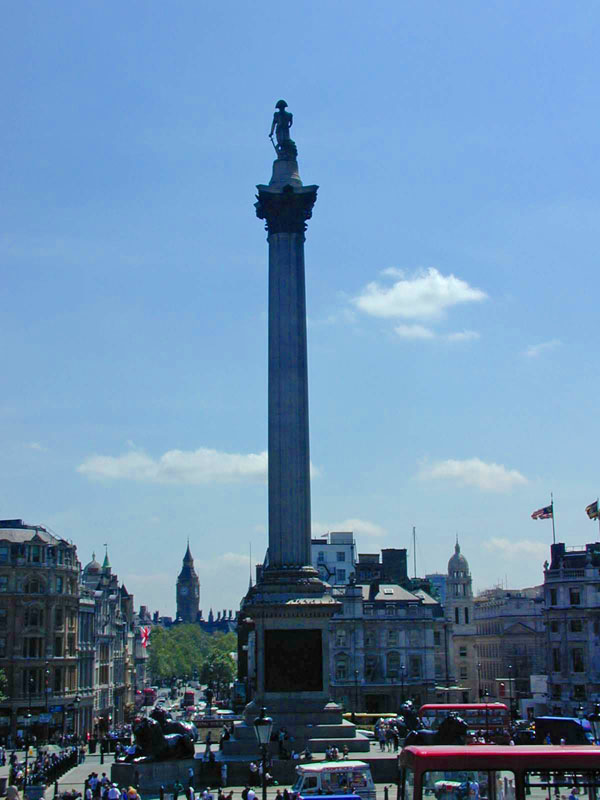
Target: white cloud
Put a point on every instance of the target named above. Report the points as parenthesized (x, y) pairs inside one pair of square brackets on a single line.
[(360, 527), (462, 336), (235, 559), (534, 350), (473, 472), (36, 446), (425, 295), (414, 332), (178, 466), (516, 549)]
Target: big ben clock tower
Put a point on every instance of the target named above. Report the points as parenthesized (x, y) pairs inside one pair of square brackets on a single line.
[(188, 590)]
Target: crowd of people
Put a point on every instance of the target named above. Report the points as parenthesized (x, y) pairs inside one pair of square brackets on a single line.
[(45, 767)]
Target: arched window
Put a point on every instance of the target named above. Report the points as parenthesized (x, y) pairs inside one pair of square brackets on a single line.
[(341, 667), (393, 664), (34, 586)]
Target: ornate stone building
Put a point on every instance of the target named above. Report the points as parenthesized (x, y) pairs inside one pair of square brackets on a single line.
[(572, 617), (459, 614), (387, 645), (39, 598), (188, 590)]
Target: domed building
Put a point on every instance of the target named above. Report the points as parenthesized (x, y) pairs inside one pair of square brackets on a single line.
[(459, 613)]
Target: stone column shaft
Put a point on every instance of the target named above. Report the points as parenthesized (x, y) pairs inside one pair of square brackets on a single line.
[(289, 458)]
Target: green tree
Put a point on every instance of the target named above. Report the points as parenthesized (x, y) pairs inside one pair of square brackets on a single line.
[(3, 685)]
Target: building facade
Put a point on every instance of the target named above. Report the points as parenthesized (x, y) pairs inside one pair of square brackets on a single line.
[(510, 643), (39, 602), (387, 645), (572, 625), (334, 556)]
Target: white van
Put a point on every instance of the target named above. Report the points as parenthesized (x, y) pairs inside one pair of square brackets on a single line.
[(335, 777)]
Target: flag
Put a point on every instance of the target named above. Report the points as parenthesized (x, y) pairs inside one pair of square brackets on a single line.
[(145, 632), (543, 513), (592, 510)]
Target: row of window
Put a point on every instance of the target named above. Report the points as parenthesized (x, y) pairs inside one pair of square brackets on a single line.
[(339, 556), (36, 554), (36, 586), (574, 595), (574, 626), (394, 668), (576, 658), (392, 638)]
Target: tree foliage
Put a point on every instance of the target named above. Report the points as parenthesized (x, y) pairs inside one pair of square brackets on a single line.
[(185, 651), (3, 685)]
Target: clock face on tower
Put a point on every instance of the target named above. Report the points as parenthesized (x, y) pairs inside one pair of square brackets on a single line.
[(183, 591)]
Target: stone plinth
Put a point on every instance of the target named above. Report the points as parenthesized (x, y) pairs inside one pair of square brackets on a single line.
[(154, 774)]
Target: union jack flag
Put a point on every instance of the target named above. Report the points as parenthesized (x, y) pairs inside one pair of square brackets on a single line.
[(543, 513), (145, 633), (592, 510)]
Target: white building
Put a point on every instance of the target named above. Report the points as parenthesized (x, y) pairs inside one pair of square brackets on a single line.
[(334, 556)]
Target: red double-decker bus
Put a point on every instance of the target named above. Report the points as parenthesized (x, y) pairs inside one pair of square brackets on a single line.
[(150, 695), (493, 719), (499, 772)]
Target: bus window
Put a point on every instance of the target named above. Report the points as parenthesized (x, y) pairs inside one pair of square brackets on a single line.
[(556, 785), (407, 784), (470, 785)]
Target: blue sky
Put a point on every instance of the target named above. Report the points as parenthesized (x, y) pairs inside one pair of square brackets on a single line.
[(451, 277)]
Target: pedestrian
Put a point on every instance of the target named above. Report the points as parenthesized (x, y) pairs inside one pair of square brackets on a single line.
[(161, 793), (191, 776), (113, 792), (224, 773), (177, 787)]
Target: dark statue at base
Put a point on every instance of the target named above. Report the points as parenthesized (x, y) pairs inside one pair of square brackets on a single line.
[(282, 122), (170, 725), (153, 744), (453, 730)]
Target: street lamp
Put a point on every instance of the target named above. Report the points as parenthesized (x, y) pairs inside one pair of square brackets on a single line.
[(486, 700), (76, 703), (27, 724), (355, 695), (263, 726), (479, 681), (402, 672), (510, 692)]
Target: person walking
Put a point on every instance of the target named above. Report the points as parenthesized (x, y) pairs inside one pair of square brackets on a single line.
[(177, 787)]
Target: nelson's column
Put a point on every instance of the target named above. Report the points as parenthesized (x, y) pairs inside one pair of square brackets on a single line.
[(290, 606)]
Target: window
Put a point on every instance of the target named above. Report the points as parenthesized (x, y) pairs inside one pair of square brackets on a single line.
[(71, 644), (370, 667), (321, 557), (340, 638), (556, 691), (553, 597), (554, 626), (340, 575), (367, 610), (58, 647), (464, 672), (579, 691), (34, 617), (341, 555), (341, 668), (2, 618), (466, 616), (58, 618), (574, 597), (462, 651), (34, 554), (393, 665), (3, 583), (414, 666), (576, 625), (390, 610), (2, 647), (4, 554), (577, 663), (32, 648), (556, 660), (392, 638), (59, 585), (437, 639), (456, 615), (58, 672)]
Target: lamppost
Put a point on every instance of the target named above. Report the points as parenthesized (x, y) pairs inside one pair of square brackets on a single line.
[(486, 700), (479, 681), (594, 718), (263, 726), (510, 692), (355, 695), (27, 724), (402, 672), (47, 695), (76, 703)]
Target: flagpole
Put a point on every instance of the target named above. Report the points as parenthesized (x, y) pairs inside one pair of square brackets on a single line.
[(553, 530)]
